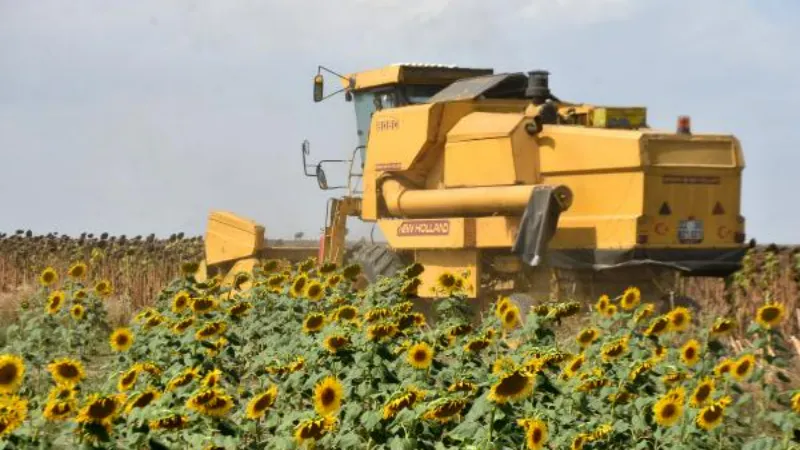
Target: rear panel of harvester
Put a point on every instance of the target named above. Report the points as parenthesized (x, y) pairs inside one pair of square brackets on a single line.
[(692, 193)]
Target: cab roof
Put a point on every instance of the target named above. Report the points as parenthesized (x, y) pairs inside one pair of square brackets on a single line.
[(412, 73)]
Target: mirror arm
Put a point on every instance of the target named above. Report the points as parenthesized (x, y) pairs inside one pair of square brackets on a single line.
[(321, 68), (331, 95)]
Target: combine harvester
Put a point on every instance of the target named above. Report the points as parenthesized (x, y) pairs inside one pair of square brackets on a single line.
[(465, 170)]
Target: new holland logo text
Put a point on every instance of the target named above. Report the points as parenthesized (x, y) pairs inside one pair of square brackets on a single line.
[(386, 124), (424, 228)]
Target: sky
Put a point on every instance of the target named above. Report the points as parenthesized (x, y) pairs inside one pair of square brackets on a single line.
[(141, 117)]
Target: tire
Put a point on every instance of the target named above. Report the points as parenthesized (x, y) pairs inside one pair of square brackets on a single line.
[(376, 260)]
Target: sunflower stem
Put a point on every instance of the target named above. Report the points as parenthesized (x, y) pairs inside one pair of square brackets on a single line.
[(491, 423)]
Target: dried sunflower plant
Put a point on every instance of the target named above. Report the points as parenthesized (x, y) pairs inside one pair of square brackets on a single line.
[(296, 356)]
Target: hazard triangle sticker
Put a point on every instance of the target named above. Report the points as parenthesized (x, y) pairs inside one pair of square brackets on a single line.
[(718, 209), (665, 209)]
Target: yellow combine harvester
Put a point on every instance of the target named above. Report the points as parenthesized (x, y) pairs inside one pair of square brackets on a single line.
[(465, 170)]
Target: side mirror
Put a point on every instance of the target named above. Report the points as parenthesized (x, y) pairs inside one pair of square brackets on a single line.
[(322, 180), (318, 87)]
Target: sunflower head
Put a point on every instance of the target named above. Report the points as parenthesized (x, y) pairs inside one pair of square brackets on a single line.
[(722, 326), (299, 286), (679, 318), (690, 352), (240, 309), (511, 318), (170, 422), (202, 305), (100, 408), (647, 310), (770, 315), (315, 291), (630, 298), (103, 288), (313, 322), (345, 313), (420, 355), (259, 404), (668, 410), (602, 303), (381, 331), (336, 342), (536, 432), (723, 367), (352, 271), (66, 371), (143, 399), (55, 301), (15, 411), (615, 349), (445, 409), (446, 281), (77, 312), (180, 301), (514, 385), (703, 392), (12, 373), (77, 270), (121, 339), (586, 336), (710, 417), (328, 396), (743, 367), (311, 430), (128, 379), (658, 326), (48, 277)]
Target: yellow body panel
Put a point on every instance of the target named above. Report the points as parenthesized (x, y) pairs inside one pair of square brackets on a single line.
[(409, 74), (242, 266), (230, 237)]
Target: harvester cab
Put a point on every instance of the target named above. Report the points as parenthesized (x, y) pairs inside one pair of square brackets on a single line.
[(494, 178)]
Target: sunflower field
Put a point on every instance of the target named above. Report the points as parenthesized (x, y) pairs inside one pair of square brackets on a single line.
[(295, 356)]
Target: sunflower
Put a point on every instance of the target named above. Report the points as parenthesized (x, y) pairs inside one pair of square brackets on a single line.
[(275, 282), (48, 277), (143, 399), (420, 355), (333, 280), (211, 402), (722, 326), (258, 405), (445, 409), (239, 309), (351, 272), (212, 378), (710, 416), (79, 295), (724, 366), (615, 349), (702, 392), (446, 281), (150, 368), (315, 291), (675, 376), (610, 311), (512, 386), (269, 266), (639, 369), (658, 326), (796, 402), (128, 379), (99, 409), (602, 303), (679, 318), (183, 379), (476, 345), (659, 353), (180, 301), (345, 313), (210, 330), (299, 286), (574, 366), (77, 270), (328, 267), (668, 410), (511, 318), (12, 373), (66, 371), (631, 298), (121, 339), (183, 325), (14, 410), (313, 323), (328, 396), (202, 305), (54, 302), (171, 422), (535, 433), (587, 336), (376, 314), (103, 288), (59, 410), (644, 312), (770, 315), (462, 386), (336, 342), (407, 398), (410, 287), (690, 352), (502, 305), (743, 367), (77, 312), (313, 429), (380, 331)]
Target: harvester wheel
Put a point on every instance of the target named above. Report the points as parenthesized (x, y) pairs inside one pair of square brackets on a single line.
[(376, 260)]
